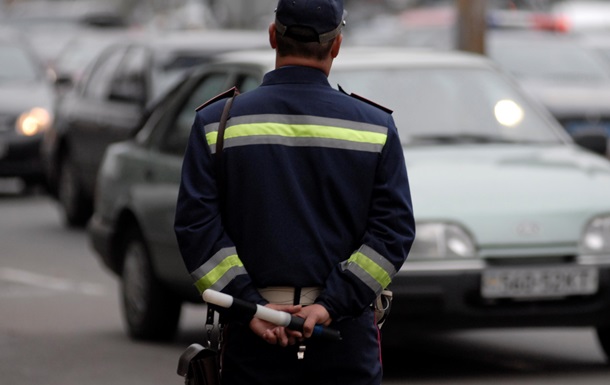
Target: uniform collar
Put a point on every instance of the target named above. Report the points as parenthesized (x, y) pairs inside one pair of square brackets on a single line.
[(295, 75)]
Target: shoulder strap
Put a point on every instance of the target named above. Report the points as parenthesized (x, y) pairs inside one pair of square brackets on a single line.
[(222, 125), (363, 99), (226, 94)]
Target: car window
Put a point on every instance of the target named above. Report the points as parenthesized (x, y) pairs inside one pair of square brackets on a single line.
[(450, 103), (129, 82), (180, 124), (100, 78), (248, 82), (549, 61), (16, 65)]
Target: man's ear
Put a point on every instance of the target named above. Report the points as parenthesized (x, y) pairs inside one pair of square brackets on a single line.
[(272, 32), (334, 51)]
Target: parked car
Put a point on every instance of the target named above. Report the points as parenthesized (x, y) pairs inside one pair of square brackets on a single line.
[(512, 216), (564, 75), (73, 58), (582, 16), (49, 25), (111, 98), (26, 110)]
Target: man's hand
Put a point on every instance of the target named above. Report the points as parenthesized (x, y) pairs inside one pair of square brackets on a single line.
[(313, 314), (274, 334)]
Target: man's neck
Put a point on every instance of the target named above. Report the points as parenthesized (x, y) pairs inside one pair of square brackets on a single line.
[(284, 61)]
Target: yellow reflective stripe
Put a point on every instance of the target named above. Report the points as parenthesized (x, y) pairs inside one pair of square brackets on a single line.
[(218, 272), (211, 137), (304, 131), (377, 272)]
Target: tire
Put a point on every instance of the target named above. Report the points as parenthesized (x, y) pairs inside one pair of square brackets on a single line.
[(150, 312), (603, 336), (76, 208)]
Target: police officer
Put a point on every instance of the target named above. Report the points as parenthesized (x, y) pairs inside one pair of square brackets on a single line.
[(315, 217)]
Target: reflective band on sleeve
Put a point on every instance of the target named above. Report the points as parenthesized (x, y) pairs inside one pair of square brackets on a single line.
[(211, 135), (371, 268), (218, 271), (304, 131)]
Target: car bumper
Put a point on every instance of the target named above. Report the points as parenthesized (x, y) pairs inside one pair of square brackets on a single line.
[(449, 296), (20, 157), (101, 237)]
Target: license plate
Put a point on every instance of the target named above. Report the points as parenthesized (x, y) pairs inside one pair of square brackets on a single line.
[(539, 282)]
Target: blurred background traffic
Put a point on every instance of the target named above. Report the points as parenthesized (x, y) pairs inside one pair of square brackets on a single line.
[(503, 108), (557, 49)]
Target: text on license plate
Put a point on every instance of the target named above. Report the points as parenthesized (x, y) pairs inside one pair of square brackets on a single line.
[(539, 282)]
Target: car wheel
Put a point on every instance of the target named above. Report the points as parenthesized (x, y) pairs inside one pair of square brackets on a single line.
[(70, 195), (149, 310), (603, 335)]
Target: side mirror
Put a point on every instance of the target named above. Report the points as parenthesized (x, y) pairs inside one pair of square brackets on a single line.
[(594, 139), (64, 81)]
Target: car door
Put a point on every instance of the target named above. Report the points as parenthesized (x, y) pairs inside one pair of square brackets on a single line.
[(110, 109), (165, 163), (156, 199), (82, 112)]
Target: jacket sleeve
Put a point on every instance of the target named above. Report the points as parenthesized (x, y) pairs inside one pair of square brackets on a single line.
[(356, 282), (208, 253)]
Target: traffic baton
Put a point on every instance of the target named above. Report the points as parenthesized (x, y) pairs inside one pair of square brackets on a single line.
[(276, 317)]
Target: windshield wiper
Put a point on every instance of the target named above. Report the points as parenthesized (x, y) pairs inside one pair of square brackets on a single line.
[(462, 138)]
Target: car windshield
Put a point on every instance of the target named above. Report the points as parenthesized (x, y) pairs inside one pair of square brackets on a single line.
[(549, 61), (16, 65), (450, 105)]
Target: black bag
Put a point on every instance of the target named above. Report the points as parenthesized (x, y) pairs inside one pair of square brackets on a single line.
[(199, 366)]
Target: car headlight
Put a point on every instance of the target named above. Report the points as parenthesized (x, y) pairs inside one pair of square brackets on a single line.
[(442, 240), (34, 121), (596, 237)]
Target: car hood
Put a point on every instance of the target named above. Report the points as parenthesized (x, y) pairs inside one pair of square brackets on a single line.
[(572, 98), (510, 195), (19, 97)]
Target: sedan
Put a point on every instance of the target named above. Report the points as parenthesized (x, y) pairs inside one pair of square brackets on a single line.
[(26, 111), (110, 100), (512, 216)]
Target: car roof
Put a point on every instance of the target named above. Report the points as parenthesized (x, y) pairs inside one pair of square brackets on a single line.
[(366, 57), (169, 45), (207, 40)]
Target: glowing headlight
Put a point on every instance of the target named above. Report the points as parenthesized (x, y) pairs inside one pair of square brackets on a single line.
[(33, 122), (442, 240), (508, 113), (596, 237)]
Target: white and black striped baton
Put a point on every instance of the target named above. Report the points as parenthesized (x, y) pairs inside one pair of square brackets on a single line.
[(248, 310)]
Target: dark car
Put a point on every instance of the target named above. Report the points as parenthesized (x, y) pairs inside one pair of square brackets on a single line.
[(48, 25), (513, 228), (110, 100), (564, 75), (26, 109)]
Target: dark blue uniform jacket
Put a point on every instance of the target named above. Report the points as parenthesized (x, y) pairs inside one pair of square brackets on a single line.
[(317, 194)]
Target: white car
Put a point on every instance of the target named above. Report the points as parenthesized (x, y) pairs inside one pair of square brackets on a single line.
[(513, 219)]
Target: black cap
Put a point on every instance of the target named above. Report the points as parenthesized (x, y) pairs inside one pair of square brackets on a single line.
[(317, 20)]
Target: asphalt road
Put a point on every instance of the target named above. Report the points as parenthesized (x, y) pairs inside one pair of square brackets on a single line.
[(60, 324)]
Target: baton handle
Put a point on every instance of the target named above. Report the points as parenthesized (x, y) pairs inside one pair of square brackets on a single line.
[(296, 323)]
